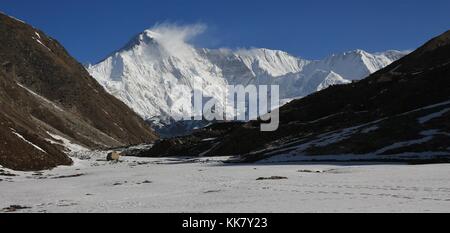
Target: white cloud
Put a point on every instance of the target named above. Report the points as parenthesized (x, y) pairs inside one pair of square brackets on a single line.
[(175, 39)]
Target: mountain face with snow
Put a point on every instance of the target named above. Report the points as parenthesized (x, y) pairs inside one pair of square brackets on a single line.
[(148, 72), (400, 113)]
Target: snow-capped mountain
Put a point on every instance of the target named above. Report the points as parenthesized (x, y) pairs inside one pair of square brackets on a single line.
[(148, 72)]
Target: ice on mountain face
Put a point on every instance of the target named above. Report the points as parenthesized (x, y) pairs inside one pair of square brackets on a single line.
[(270, 62), (393, 55), (358, 64), (330, 80), (150, 73)]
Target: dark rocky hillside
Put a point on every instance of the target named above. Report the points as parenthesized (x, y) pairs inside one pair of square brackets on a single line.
[(44, 91), (401, 112)]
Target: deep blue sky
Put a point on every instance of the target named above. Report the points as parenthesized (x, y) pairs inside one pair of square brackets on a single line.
[(91, 29)]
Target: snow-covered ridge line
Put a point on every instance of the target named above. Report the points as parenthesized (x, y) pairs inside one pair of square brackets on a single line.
[(12, 17), (147, 72)]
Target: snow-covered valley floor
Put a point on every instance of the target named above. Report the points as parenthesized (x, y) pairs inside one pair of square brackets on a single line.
[(207, 185)]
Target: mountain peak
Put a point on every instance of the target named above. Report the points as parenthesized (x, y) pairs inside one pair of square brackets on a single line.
[(357, 64), (147, 37), (149, 33), (145, 77), (361, 52)]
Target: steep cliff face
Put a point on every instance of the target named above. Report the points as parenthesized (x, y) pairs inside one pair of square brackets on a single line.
[(44, 92)]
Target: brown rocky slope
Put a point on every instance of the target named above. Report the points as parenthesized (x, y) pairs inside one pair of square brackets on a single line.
[(44, 91)]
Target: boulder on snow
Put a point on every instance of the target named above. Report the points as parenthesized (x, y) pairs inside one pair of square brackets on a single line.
[(113, 156)]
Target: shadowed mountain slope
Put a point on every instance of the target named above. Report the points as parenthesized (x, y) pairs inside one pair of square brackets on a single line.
[(45, 92)]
